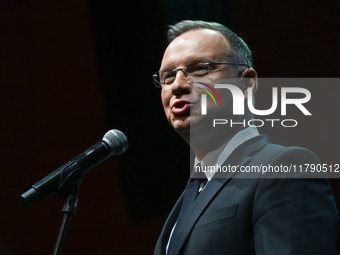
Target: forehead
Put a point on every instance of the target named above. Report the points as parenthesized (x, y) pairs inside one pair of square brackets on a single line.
[(195, 45)]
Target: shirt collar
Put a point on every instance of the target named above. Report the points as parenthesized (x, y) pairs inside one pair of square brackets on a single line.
[(219, 156)]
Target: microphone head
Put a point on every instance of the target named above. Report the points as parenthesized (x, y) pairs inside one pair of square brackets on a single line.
[(117, 141)]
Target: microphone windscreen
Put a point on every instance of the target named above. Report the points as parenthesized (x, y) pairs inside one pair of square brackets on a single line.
[(117, 141)]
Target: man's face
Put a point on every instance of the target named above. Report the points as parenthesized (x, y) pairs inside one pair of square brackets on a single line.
[(181, 101)]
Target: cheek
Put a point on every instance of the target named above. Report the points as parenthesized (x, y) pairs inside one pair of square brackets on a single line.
[(226, 96), (165, 97)]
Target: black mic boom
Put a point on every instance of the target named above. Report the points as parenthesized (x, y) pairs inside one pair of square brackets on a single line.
[(61, 180)]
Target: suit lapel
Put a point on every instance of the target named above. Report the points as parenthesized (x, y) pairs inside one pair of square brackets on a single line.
[(168, 225), (240, 156), (200, 204)]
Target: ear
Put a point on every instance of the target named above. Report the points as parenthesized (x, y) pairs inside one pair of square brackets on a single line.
[(249, 81)]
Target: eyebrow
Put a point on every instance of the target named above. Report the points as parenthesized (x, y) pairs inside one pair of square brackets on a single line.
[(197, 60)]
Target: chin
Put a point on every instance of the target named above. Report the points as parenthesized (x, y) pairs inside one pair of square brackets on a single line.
[(181, 125)]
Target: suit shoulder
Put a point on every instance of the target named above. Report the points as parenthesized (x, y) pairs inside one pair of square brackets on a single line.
[(291, 153)]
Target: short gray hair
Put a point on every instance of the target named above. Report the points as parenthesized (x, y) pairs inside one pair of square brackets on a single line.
[(240, 50)]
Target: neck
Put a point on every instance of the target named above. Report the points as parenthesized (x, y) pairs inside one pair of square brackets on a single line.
[(205, 138), (204, 143)]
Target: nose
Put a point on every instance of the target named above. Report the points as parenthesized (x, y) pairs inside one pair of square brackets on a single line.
[(181, 84)]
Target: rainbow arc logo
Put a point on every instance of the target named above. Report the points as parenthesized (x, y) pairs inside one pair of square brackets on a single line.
[(204, 97)]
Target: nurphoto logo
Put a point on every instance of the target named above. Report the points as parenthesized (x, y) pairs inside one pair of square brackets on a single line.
[(302, 96)]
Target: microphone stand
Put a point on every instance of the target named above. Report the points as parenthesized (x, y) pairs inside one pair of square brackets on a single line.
[(70, 195)]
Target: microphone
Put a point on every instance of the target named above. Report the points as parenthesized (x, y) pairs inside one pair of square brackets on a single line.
[(68, 175)]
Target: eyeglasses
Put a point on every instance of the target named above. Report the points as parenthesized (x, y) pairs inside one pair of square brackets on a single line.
[(191, 70)]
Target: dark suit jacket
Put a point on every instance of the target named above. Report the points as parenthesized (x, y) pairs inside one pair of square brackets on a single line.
[(239, 215)]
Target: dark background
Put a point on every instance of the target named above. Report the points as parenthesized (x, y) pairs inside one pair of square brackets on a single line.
[(71, 70)]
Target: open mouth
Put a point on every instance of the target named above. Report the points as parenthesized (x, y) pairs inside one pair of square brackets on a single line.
[(181, 107)]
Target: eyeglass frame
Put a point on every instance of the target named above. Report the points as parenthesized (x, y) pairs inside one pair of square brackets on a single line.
[(156, 76)]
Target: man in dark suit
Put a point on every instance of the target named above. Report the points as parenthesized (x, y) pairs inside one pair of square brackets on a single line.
[(234, 212)]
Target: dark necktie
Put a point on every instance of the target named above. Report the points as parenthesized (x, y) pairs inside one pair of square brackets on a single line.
[(189, 197)]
